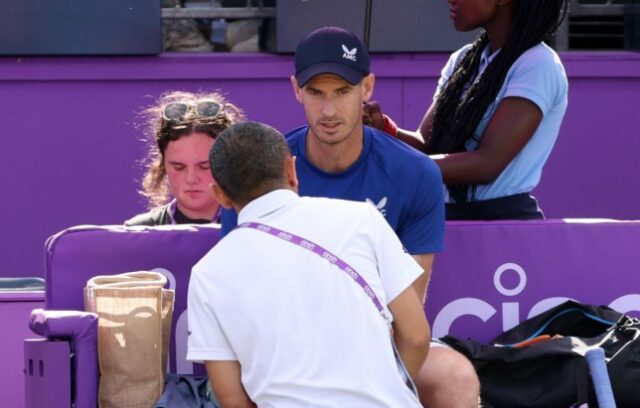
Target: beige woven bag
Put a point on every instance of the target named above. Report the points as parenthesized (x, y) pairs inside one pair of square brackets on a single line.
[(134, 330)]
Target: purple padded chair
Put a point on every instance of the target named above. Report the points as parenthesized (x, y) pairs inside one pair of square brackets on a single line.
[(80, 330), (77, 254)]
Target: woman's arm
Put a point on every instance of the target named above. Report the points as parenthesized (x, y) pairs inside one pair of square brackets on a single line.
[(511, 127), (373, 116)]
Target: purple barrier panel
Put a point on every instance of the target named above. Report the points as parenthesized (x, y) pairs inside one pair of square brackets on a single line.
[(491, 276), (100, 146), (494, 275), (77, 254), (15, 308), (48, 374)]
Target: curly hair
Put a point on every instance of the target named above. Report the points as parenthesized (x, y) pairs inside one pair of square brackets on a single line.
[(160, 131), (458, 111)]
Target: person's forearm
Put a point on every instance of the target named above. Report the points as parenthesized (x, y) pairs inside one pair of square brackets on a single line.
[(422, 282), (467, 168), (413, 352), (240, 402), (413, 139)]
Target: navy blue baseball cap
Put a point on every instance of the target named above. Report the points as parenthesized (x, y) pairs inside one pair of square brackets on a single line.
[(331, 50)]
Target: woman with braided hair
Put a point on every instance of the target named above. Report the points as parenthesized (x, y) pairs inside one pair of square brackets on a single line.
[(497, 109), (181, 128)]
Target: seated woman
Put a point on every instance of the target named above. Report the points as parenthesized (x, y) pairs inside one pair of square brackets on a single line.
[(181, 128)]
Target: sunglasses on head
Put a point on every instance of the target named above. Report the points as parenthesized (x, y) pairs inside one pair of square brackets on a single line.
[(176, 111)]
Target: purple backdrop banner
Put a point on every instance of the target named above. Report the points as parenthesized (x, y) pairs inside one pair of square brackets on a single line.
[(492, 275), (71, 146)]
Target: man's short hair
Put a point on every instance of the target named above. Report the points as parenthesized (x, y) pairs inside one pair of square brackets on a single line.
[(247, 160)]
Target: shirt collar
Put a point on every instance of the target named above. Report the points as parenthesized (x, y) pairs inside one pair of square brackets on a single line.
[(486, 57), (266, 204)]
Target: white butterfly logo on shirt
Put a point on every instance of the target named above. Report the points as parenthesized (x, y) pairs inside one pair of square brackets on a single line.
[(380, 206)]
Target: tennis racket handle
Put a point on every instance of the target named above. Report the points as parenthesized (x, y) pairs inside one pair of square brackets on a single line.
[(600, 378)]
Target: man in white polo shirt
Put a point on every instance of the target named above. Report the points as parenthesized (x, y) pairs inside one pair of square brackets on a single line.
[(294, 307)]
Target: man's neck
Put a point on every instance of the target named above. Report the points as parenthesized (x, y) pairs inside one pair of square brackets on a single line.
[(334, 158)]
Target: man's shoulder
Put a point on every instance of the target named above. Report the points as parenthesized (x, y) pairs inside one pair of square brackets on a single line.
[(294, 135), (398, 156), (220, 258), (322, 204), (338, 211)]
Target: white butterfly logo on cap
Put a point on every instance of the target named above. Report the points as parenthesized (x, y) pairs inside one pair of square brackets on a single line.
[(349, 54)]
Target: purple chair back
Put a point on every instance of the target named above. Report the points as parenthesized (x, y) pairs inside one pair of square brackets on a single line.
[(77, 254)]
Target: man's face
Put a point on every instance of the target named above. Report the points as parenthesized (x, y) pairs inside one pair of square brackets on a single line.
[(333, 106), (186, 161)]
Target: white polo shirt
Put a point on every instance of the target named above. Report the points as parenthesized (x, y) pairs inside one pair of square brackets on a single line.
[(304, 333)]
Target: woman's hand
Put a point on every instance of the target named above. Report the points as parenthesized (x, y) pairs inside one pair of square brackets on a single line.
[(372, 115)]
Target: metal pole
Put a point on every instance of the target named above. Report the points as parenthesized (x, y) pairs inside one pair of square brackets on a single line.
[(367, 22)]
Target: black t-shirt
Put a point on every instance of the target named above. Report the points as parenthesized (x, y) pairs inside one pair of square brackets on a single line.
[(183, 219)]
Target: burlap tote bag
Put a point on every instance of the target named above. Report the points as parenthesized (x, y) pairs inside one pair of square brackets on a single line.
[(134, 331)]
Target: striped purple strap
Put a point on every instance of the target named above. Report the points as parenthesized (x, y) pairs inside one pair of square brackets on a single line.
[(324, 253)]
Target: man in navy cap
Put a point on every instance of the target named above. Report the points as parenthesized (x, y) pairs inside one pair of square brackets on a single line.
[(339, 157)]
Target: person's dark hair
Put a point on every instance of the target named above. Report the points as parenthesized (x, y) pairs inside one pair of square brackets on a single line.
[(160, 131), (248, 160), (458, 113)]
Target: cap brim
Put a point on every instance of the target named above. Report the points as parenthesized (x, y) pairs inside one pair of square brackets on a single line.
[(349, 74)]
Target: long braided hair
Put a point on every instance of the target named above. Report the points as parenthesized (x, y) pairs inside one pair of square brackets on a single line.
[(458, 113)]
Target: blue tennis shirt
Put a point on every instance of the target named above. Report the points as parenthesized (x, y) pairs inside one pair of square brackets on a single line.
[(402, 183)]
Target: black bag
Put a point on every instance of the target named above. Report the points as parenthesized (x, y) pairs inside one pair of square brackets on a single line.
[(516, 370)]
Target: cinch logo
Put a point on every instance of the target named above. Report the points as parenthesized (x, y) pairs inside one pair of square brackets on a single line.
[(380, 206), (349, 54), (511, 310)]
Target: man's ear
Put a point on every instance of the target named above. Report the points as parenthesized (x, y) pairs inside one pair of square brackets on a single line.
[(291, 173), (296, 89), (367, 87), (220, 195)]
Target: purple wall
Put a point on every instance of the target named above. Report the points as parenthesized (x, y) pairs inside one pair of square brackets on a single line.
[(70, 146)]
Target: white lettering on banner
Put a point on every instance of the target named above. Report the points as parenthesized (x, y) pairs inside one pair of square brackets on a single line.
[(264, 228), (182, 337), (443, 320), (626, 303), (168, 275), (511, 310)]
